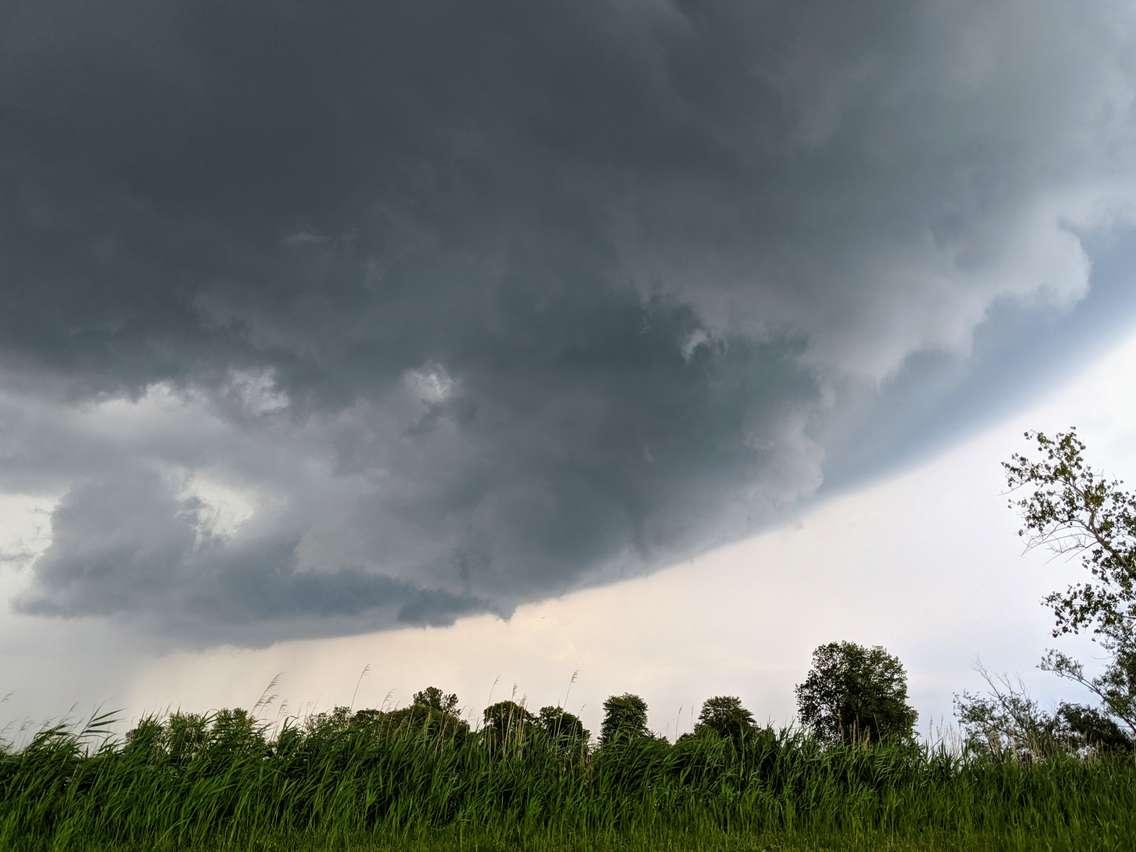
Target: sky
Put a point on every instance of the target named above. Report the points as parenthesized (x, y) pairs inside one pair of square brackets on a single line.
[(502, 341)]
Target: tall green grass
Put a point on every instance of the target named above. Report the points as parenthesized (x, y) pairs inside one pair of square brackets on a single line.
[(371, 782)]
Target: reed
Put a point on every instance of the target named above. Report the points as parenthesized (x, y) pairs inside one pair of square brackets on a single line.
[(423, 781)]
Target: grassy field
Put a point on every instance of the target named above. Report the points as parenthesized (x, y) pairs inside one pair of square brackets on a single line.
[(381, 781)]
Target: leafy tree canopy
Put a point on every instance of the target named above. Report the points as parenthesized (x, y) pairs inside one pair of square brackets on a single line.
[(434, 699), (853, 693), (725, 716), (561, 726), (625, 716), (1071, 509), (431, 712), (1006, 720), (507, 719), (1066, 506)]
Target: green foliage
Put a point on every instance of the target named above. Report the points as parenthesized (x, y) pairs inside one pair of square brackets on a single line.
[(1073, 510), (563, 728), (1005, 722), (1089, 728), (853, 694), (507, 725), (433, 698), (725, 716), (1070, 509), (506, 716), (625, 717), (1114, 688), (432, 712), (345, 781)]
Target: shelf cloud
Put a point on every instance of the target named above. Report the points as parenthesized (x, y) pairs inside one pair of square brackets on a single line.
[(473, 304)]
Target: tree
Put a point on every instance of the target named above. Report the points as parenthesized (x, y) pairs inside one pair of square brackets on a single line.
[(236, 730), (1089, 728), (625, 716), (1072, 510), (855, 694), (433, 698), (725, 716), (507, 721), (562, 727), (431, 712), (1005, 720)]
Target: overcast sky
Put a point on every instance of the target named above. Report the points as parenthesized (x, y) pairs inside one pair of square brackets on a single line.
[(429, 324)]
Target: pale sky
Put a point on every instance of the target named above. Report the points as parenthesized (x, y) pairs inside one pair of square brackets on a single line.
[(657, 340)]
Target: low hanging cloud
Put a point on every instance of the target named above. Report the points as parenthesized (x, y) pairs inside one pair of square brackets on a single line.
[(476, 304)]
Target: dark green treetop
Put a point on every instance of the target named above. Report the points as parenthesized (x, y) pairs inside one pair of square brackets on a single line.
[(434, 699), (507, 720), (431, 712), (562, 727), (625, 716), (855, 694), (725, 716)]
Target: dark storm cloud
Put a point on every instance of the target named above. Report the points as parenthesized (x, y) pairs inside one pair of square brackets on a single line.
[(483, 302), (110, 533)]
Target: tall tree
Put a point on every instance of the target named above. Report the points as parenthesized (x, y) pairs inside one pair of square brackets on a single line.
[(507, 721), (1072, 510), (855, 694), (625, 716), (431, 712), (725, 716), (563, 728), (433, 698)]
